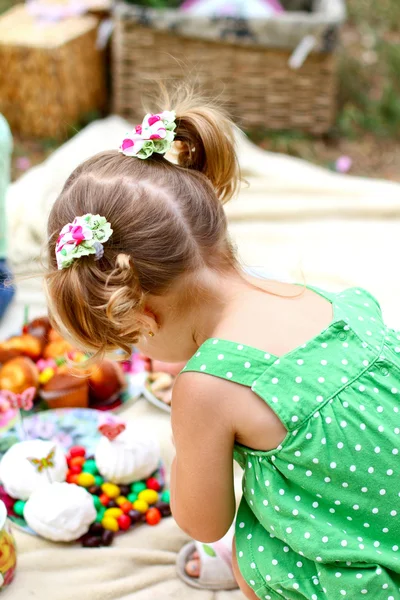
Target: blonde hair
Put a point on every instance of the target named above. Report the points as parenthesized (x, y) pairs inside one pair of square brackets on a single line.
[(168, 221)]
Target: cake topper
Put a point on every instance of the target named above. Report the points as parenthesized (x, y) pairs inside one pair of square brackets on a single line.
[(44, 464), (111, 432), (20, 402)]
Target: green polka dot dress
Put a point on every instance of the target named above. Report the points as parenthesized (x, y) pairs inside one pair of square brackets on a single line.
[(320, 514)]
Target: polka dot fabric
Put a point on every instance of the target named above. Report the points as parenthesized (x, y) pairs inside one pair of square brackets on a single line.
[(319, 518)]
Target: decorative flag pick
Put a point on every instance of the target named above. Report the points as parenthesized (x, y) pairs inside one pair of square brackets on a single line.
[(111, 432), (20, 402), (44, 464)]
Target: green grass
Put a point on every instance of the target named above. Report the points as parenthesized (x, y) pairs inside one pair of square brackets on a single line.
[(369, 68)]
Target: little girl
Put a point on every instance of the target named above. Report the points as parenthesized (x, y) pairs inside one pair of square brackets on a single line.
[(300, 386)]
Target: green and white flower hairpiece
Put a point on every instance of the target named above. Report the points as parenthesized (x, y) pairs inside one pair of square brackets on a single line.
[(83, 237), (155, 135)]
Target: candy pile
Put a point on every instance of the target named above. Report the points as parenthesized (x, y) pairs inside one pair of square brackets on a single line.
[(118, 507)]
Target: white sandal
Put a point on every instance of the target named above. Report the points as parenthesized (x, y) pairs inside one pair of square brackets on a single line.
[(215, 565)]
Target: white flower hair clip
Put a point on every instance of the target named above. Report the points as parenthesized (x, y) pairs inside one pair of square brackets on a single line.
[(83, 237), (155, 135)]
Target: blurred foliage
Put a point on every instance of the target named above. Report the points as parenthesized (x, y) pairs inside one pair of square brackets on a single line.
[(384, 14), (369, 70)]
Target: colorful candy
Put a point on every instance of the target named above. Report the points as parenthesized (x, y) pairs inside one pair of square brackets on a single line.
[(120, 500), (90, 467), (149, 496), (113, 512), (72, 478), (126, 506), (164, 508), (18, 507), (96, 529), (76, 461), (153, 484), (141, 506), (125, 490), (96, 501), (111, 490), (77, 451), (138, 486), (166, 496), (85, 480), (124, 522), (100, 515), (91, 541), (118, 507), (135, 516), (110, 523), (104, 499), (153, 516), (75, 469), (107, 537)]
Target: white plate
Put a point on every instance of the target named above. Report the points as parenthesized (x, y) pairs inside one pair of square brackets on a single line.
[(148, 394)]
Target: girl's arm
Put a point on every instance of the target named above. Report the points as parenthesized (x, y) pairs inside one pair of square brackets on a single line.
[(202, 492)]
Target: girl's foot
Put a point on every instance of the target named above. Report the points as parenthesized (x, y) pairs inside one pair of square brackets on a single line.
[(208, 566), (193, 565)]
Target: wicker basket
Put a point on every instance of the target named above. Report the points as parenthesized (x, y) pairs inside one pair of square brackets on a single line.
[(50, 75), (255, 83)]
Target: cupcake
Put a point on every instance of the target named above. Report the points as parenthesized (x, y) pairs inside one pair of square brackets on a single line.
[(126, 453), (19, 374), (60, 512), (20, 477), (65, 391)]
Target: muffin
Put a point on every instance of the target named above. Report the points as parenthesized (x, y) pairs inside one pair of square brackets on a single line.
[(66, 391), (19, 374)]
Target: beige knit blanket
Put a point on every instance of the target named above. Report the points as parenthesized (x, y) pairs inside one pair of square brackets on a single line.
[(293, 219)]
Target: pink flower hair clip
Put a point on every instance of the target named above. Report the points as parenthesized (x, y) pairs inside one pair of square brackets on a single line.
[(155, 135), (83, 237)]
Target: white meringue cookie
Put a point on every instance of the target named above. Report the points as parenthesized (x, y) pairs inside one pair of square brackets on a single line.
[(20, 478), (133, 455), (60, 512)]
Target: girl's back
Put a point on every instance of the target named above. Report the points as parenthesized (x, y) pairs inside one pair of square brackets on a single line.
[(320, 478)]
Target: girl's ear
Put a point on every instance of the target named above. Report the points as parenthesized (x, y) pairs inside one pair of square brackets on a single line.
[(150, 321)]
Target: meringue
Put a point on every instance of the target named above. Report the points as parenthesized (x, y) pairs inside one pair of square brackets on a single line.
[(60, 512), (133, 455), (20, 478)]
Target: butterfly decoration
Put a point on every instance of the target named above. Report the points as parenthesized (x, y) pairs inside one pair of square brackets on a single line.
[(22, 401), (44, 463), (111, 432)]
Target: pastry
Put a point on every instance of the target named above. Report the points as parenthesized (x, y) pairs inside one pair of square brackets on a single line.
[(19, 374), (25, 344), (132, 454), (65, 390), (56, 349), (20, 477), (106, 381), (60, 512)]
